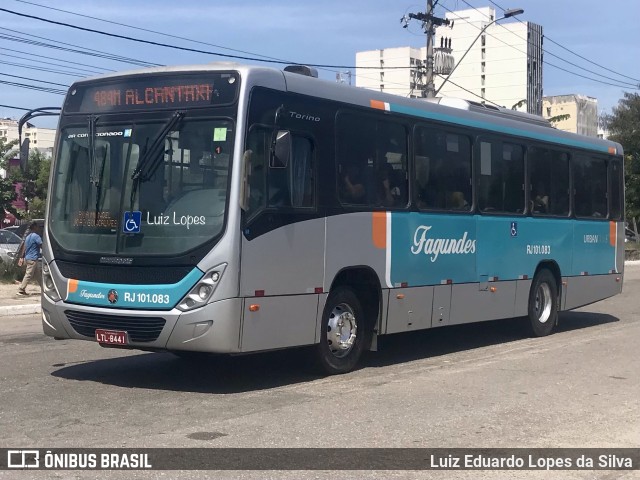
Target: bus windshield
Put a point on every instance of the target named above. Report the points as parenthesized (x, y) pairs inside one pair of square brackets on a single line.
[(156, 188)]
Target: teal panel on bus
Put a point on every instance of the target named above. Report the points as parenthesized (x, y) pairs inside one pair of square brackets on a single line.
[(150, 297), (431, 249), (594, 247), (510, 247)]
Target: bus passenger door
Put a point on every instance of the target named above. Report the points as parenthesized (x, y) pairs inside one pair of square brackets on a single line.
[(282, 259)]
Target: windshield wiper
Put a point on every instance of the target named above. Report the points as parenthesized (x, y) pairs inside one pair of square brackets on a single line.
[(91, 145), (98, 184), (150, 159)]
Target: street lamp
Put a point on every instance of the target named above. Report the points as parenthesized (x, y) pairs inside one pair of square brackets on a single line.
[(507, 13)]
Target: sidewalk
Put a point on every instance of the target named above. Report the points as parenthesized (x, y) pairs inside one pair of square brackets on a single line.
[(12, 304)]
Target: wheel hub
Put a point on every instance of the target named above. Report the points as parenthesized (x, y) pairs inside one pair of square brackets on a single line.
[(342, 329), (543, 303)]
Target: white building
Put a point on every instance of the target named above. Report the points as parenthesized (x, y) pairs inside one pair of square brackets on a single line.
[(40, 138), (377, 70), (504, 65)]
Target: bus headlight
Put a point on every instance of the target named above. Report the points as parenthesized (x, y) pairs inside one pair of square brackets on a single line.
[(48, 286), (200, 294)]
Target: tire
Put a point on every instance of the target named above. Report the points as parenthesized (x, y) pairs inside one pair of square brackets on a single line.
[(543, 304), (343, 332)]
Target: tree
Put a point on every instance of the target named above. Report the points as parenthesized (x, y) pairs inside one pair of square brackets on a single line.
[(623, 125), (35, 181), (559, 118), (7, 187)]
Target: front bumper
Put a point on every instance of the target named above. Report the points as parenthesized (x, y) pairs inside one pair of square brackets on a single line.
[(212, 328)]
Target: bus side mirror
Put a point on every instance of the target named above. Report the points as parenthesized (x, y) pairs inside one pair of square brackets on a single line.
[(281, 151), (24, 154)]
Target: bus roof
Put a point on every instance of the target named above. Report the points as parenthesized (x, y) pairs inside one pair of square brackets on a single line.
[(453, 111)]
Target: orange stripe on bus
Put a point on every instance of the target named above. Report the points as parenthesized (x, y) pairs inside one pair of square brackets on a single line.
[(377, 104), (613, 233), (379, 229), (72, 285)]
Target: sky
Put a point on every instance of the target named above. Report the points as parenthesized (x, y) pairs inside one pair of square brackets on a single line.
[(320, 32)]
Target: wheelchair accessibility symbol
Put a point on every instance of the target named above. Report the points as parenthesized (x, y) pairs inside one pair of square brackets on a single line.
[(514, 229), (131, 222)]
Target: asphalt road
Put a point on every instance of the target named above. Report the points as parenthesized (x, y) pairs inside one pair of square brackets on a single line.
[(482, 385)]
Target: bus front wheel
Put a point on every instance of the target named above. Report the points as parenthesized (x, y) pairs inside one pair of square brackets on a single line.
[(343, 331), (543, 304)]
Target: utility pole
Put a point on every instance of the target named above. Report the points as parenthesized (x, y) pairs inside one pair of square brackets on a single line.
[(429, 22), (429, 90)]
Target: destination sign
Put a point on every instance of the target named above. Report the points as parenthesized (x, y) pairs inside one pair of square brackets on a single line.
[(151, 92)]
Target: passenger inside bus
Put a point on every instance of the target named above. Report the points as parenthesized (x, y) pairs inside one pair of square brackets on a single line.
[(388, 191), (457, 201), (540, 203), (353, 185)]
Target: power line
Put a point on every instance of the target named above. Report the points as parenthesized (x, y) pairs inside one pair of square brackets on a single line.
[(574, 53), (15, 108), (34, 79), (183, 38), (472, 93), (35, 87), (177, 36), (79, 69), (152, 31), (52, 58), (85, 51), (42, 69), (186, 49)]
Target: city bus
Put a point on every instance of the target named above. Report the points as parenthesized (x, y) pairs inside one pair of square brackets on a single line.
[(234, 209)]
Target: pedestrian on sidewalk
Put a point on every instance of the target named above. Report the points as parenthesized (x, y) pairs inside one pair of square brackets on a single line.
[(32, 255)]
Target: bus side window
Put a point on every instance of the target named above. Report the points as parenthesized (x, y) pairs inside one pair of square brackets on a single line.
[(443, 170), (590, 183), (501, 177), (257, 149), (549, 182), (615, 190), (301, 179), (292, 186)]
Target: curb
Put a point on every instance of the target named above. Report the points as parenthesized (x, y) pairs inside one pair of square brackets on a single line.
[(20, 310)]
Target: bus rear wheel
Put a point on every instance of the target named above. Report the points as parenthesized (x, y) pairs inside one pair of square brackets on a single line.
[(343, 332), (543, 304)]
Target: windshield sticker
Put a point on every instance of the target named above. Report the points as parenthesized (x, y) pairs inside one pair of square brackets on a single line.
[(131, 222), (220, 134), (120, 133)]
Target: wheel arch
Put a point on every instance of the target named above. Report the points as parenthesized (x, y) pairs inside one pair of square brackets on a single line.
[(554, 268), (366, 285)]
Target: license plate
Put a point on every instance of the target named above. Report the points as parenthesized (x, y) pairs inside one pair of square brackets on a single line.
[(111, 337)]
